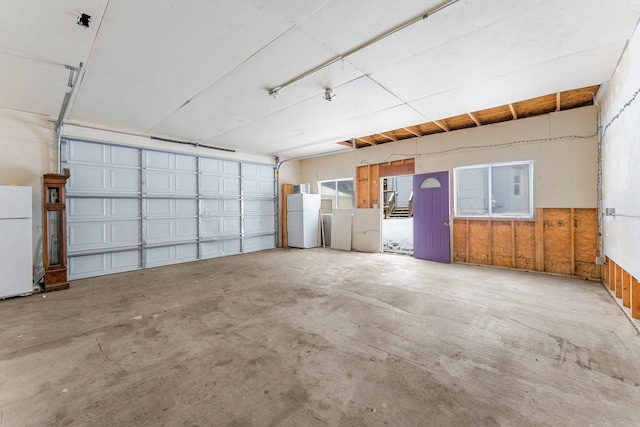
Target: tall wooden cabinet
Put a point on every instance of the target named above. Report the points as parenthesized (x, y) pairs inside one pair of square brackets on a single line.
[(55, 232)]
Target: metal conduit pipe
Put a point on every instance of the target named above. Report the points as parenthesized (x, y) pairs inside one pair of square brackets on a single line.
[(68, 96), (274, 91)]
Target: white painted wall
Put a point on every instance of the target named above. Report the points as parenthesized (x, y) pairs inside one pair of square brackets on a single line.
[(621, 160), (28, 152), (565, 169)]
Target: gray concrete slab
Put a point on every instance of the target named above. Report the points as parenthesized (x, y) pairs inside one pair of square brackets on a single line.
[(319, 337)]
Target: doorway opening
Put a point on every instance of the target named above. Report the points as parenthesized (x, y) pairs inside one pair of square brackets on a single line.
[(397, 215)]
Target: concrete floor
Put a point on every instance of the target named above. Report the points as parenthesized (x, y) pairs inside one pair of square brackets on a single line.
[(319, 337)]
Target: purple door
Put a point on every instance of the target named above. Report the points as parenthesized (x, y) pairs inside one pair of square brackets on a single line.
[(431, 235)]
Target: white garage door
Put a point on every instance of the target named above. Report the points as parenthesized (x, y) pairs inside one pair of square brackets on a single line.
[(131, 208)]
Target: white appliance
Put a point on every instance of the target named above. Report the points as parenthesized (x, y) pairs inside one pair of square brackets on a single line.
[(16, 256), (303, 216)]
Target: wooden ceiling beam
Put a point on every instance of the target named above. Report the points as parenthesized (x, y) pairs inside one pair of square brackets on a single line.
[(558, 105), (474, 117), (365, 141), (513, 112), (387, 136), (412, 132), (442, 125)]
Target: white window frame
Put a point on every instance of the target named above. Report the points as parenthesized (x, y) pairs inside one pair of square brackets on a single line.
[(335, 200), (489, 166)]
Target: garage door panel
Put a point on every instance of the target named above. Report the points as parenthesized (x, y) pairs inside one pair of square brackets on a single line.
[(259, 207), (171, 207), (101, 209), (212, 207), (87, 152), (155, 257), (168, 230), (125, 232), (257, 171), (99, 154), (124, 181), (213, 185), (124, 156), (87, 208), (258, 243), (169, 161), (220, 248), (86, 236), (101, 264), (220, 227), (88, 179), (167, 183), (219, 167), (158, 204), (258, 188), (96, 180), (260, 224)]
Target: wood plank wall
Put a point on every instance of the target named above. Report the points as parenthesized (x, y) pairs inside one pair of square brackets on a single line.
[(623, 285), (562, 241), (284, 234), (368, 180)]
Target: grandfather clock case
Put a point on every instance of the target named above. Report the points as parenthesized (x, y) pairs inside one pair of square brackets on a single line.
[(55, 231)]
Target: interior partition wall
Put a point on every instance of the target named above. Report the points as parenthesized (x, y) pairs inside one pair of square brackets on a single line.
[(131, 208)]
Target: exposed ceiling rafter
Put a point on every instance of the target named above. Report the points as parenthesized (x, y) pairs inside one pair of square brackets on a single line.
[(474, 117), (513, 112), (412, 132), (442, 125)]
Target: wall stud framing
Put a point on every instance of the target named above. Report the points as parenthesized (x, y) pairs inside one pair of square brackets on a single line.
[(635, 298)]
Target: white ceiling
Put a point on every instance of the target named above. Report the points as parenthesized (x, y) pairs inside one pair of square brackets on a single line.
[(201, 70)]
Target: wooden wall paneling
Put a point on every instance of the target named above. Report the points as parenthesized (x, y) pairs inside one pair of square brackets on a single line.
[(612, 275), (618, 281), (398, 167), (635, 298), (561, 241), (513, 244), (466, 248), (479, 242), (605, 271), (626, 289), (362, 186), (557, 231), (525, 244), (539, 244), (374, 186), (490, 243), (459, 240), (572, 225), (586, 243), (501, 243), (284, 236)]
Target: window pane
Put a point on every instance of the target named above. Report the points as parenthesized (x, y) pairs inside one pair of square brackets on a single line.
[(345, 194), (510, 190), (328, 190), (472, 191)]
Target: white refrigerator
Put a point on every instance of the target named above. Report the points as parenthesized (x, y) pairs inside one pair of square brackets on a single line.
[(303, 216), (16, 256)]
